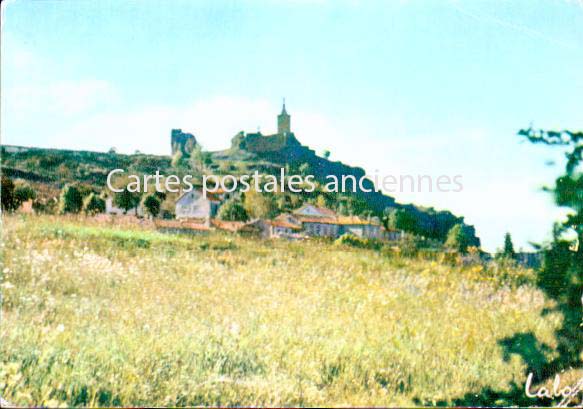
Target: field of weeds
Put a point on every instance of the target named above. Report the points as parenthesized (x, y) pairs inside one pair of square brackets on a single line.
[(95, 315)]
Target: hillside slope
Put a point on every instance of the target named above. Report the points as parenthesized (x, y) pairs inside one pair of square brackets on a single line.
[(132, 317)]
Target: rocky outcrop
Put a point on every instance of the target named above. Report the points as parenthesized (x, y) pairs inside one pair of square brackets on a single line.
[(182, 142)]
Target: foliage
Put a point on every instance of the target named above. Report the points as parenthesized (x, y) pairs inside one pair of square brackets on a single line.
[(508, 251), (71, 200), (177, 160), (93, 204), (200, 160), (304, 169), (401, 219), (23, 192), (561, 277), (568, 190), (233, 210), (321, 201), (458, 239), (151, 204), (126, 200), (7, 194), (260, 205), (348, 239)]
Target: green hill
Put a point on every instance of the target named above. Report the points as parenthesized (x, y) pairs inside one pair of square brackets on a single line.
[(51, 169)]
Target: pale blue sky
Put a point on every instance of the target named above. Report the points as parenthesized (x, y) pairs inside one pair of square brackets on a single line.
[(402, 87)]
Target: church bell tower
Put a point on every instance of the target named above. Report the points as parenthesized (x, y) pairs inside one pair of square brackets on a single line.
[(283, 121)]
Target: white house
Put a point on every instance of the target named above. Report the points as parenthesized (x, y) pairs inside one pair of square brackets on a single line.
[(194, 205)]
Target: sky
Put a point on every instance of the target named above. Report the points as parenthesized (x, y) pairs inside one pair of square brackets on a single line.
[(403, 87)]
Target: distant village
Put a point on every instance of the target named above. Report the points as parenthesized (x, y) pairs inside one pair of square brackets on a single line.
[(196, 212)]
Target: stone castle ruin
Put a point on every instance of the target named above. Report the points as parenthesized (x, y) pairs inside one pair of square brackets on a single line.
[(256, 142), (182, 142)]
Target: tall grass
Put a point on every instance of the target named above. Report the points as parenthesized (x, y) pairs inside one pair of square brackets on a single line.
[(97, 316)]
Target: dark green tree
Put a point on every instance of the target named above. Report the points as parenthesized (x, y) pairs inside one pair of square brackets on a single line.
[(70, 200), (561, 276), (151, 204), (126, 200), (93, 204), (458, 238), (401, 219), (508, 251), (7, 194)]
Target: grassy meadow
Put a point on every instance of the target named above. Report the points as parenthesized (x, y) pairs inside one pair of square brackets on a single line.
[(97, 315)]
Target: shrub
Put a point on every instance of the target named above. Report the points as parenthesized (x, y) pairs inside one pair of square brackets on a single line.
[(93, 204), (47, 206), (348, 239)]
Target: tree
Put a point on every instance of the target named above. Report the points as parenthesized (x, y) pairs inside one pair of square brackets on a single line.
[(561, 276), (23, 192), (151, 204), (326, 154), (7, 194), (233, 210), (284, 203), (126, 200), (199, 159), (70, 200), (260, 205), (401, 219), (458, 238), (321, 201), (568, 190), (508, 251), (176, 160), (304, 169), (93, 204)]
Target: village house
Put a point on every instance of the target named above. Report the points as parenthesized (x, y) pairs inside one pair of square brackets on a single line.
[(285, 225), (369, 229), (309, 220), (195, 205), (317, 221), (391, 234)]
